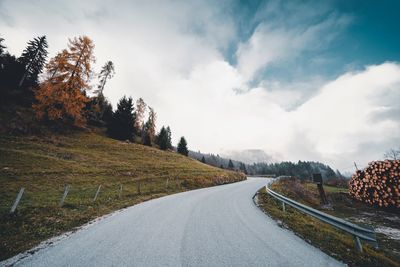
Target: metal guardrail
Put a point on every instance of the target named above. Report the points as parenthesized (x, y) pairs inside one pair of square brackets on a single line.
[(359, 232)]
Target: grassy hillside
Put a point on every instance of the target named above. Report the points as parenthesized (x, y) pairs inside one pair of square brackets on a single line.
[(45, 165)]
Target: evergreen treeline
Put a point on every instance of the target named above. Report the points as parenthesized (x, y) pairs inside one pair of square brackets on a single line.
[(218, 161), (59, 92), (301, 169)]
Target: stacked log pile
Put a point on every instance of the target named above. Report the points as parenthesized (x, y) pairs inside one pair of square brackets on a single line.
[(378, 184)]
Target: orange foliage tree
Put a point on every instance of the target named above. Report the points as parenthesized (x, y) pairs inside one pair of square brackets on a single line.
[(62, 95)]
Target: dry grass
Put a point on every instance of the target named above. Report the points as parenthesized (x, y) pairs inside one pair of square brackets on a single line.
[(336, 243), (45, 164)]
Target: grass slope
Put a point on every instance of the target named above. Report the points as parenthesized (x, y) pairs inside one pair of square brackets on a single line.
[(44, 165)]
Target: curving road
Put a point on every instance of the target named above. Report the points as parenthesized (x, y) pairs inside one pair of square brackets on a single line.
[(218, 226)]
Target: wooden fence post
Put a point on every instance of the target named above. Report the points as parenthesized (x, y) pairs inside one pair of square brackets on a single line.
[(120, 191), (138, 187), (16, 202), (97, 193), (66, 190)]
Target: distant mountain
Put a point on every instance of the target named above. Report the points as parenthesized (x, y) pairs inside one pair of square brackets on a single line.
[(215, 160), (249, 156)]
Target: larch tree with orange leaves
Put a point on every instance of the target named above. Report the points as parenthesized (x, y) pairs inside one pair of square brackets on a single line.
[(62, 96)]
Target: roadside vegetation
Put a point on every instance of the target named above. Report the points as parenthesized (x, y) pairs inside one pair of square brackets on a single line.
[(333, 242)]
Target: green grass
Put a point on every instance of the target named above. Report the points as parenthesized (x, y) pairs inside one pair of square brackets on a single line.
[(332, 241), (45, 164), (328, 188)]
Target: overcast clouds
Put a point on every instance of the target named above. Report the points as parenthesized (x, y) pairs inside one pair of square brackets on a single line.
[(231, 77)]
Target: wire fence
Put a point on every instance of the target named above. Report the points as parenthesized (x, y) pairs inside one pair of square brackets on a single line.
[(72, 195)]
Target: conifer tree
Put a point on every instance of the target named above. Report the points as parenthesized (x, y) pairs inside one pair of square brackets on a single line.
[(62, 96), (230, 165), (182, 147), (203, 159), (169, 138), (98, 110), (162, 139), (121, 126), (2, 47), (34, 59), (242, 167), (106, 73)]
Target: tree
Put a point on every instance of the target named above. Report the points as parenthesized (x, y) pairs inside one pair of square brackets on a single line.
[(393, 154), (106, 73), (242, 167), (182, 147), (162, 139), (169, 138), (150, 128), (2, 47), (98, 111), (121, 126), (203, 159), (34, 59), (140, 111), (10, 73), (62, 96), (230, 165)]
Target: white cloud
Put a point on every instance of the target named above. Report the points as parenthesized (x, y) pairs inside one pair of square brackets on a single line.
[(169, 53), (271, 44)]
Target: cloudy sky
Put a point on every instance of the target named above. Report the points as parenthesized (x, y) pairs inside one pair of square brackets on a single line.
[(301, 80)]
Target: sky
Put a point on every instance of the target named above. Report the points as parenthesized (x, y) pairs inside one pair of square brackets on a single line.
[(289, 80)]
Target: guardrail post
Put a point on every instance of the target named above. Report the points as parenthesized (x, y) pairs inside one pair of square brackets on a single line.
[(16, 202), (166, 184), (283, 207), (66, 190), (97, 193), (358, 244)]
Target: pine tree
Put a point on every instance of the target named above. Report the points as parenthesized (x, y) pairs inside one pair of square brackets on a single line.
[(169, 138), (140, 111), (98, 111), (10, 73), (121, 126), (162, 139), (242, 167), (203, 159), (62, 96), (2, 47), (106, 73), (34, 58), (182, 147), (230, 165)]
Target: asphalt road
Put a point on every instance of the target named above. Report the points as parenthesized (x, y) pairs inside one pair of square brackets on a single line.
[(218, 226)]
